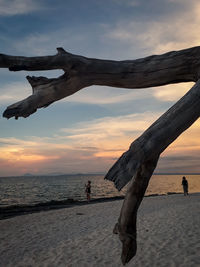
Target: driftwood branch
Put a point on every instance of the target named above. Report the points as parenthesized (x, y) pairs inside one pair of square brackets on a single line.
[(138, 163), (80, 72), (126, 225)]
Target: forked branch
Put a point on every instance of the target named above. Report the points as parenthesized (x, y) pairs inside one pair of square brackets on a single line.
[(80, 72)]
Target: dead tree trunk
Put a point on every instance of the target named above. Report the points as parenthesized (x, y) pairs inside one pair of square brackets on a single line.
[(139, 162)]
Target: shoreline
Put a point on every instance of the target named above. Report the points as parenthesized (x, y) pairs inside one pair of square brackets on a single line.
[(18, 210), (82, 235)]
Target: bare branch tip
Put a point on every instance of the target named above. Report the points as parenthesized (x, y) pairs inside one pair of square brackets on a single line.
[(61, 50)]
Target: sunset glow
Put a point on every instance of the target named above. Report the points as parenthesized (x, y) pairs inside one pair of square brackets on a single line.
[(88, 131)]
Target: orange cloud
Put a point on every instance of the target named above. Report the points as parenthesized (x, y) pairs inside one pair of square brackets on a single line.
[(171, 92), (20, 154), (91, 146)]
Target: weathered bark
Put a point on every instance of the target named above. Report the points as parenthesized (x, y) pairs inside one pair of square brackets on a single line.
[(80, 72), (126, 226), (139, 162)]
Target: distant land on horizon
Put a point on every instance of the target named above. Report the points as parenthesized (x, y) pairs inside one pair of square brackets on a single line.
[(90, 174), (53, 174), (62, 174), (104, 173)]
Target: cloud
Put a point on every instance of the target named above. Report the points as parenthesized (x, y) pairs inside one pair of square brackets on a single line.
[(112, 126), (159, 34), (42, 157), (17, 7), (14, 91), (93, 146), (103, 95), (171, 92), (89, 146), (179, 164), (39, 43), (111, 136)]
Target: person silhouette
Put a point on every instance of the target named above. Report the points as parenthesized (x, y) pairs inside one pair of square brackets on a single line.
[(88, 190), (185, 186)]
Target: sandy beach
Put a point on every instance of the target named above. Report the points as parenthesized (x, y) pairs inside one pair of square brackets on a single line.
[(168, 235)]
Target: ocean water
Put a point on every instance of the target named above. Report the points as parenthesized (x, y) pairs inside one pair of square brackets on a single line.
[(37, 189)]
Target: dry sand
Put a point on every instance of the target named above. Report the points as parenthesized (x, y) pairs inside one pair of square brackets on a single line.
[(168, 235)]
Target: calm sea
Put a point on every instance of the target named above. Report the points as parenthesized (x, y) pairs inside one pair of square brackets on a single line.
[(37, 189)]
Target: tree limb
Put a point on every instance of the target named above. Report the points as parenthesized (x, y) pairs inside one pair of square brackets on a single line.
[(80, 72), (126, 226), (139, 162)]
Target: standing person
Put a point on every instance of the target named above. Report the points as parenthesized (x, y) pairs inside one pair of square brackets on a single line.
[(185, 186), (88, 190)]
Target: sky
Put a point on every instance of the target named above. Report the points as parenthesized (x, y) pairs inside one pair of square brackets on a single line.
[(88, 131)]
